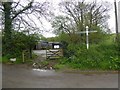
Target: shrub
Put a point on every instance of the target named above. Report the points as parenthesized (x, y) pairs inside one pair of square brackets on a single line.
[(99, 56)]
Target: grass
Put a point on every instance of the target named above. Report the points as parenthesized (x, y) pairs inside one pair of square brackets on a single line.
[(19, 60), (59, 66), (5, 60), (102, 56)]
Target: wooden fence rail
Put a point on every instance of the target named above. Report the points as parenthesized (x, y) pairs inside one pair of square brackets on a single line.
[(54, 53)]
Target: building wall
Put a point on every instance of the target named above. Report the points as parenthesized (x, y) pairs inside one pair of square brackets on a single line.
[(119, 16), (47, 45)]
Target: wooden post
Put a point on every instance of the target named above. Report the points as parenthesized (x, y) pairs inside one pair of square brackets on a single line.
[(23, 56), (46, 54), (116, 21), (116, 17)]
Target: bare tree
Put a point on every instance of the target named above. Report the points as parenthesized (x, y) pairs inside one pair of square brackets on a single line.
[(16, 15), (84, 13), (81, 14)]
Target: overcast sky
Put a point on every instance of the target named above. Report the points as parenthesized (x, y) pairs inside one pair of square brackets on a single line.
[(47, 25), (111, 21)]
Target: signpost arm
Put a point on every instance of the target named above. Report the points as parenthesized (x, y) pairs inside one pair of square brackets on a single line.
[(87, 38)]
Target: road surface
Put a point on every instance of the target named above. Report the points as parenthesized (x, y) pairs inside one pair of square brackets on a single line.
[(22, 76)]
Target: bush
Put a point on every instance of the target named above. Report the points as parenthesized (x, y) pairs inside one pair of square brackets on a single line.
[(18, 43), (59, 66), (99, 56)]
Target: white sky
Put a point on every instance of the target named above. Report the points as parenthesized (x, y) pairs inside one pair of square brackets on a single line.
[(111, 21), (47, 25)]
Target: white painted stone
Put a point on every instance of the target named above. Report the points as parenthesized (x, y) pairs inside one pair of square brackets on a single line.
[(13, 59)]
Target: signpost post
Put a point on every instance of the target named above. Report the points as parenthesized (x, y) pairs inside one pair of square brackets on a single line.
[(87, 37), (87, 40)]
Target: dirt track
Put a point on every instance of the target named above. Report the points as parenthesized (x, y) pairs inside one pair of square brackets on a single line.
[(22, 76)]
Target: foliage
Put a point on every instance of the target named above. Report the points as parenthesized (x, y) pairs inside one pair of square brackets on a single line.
[(52, 39), (44, 63), (6, 60), (19, 42), (102, 56), (76, 16), (60, 24), (17, 17), (59, 66)]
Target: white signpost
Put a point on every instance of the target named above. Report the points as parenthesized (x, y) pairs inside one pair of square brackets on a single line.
[(87, 38)]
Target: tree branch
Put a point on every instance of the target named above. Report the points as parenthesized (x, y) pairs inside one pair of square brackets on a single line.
[(24, 9), (16, 4)]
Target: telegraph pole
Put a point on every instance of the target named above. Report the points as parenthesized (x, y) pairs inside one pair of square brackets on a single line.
[(117, 33), (116, 20)]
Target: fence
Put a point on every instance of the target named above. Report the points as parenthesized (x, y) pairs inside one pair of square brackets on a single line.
[(54, 53), (25, 55)]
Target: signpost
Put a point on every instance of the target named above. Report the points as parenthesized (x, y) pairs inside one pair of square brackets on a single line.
[(87, 38)]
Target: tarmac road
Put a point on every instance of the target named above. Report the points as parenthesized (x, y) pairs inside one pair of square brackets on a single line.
[(22, 76)]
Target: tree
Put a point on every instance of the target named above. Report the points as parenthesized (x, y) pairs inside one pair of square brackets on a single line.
[(81, 14), (20, 42), (61, 24), (84, 13), (14, 14), (64, 27)]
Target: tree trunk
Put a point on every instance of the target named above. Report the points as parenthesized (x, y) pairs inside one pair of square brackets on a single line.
[(7, 27), (30, 52)]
